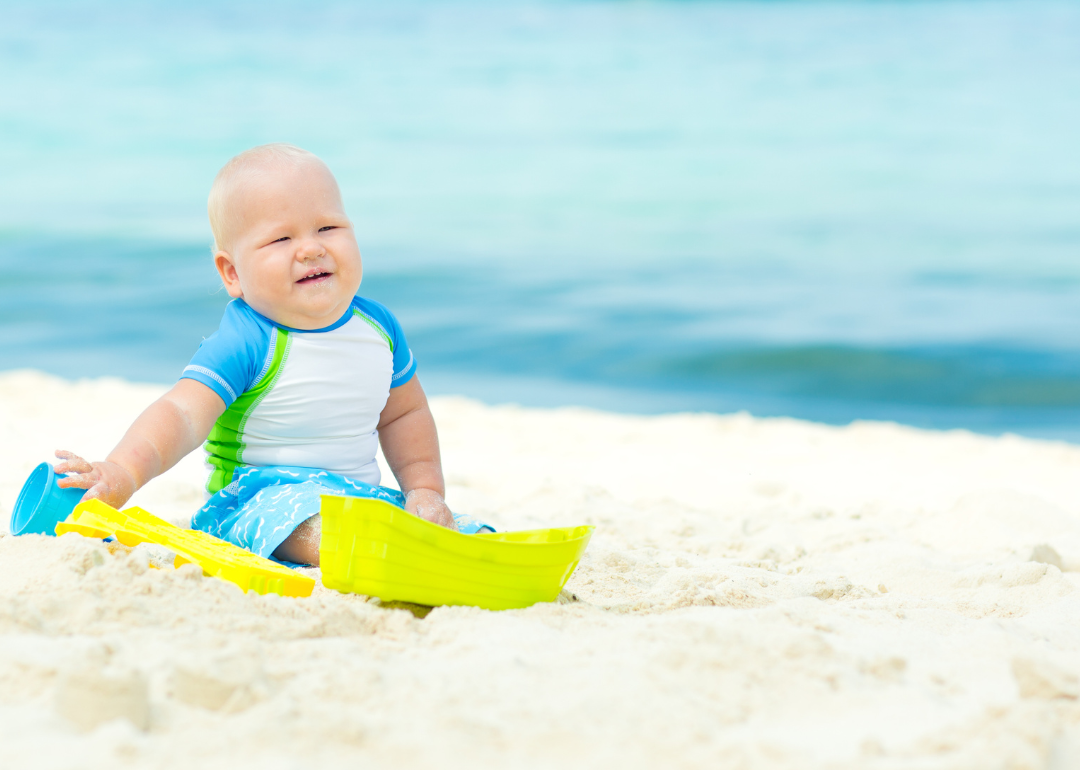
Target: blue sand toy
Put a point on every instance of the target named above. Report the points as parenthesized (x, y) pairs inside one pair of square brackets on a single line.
[(41, 504)]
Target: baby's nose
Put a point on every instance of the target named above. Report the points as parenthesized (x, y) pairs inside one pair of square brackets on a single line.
[(309, 249)]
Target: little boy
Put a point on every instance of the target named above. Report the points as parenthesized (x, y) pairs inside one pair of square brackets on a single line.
[(299, 385)]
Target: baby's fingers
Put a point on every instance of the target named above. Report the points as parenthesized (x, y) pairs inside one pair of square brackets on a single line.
[(72, 463), (79, 481), (85, 475), (440, 516)]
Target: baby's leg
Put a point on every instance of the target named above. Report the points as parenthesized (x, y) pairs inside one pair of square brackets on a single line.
[(302, 546)]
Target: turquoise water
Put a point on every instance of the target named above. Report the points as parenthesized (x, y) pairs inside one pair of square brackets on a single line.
[(826, 210)]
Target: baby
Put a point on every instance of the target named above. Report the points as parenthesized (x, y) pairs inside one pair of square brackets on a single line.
[(298, 386)]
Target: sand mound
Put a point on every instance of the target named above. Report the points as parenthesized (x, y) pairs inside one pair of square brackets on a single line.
[(759, 594)]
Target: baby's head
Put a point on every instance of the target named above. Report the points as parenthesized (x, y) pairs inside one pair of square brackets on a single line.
[(282, 241)]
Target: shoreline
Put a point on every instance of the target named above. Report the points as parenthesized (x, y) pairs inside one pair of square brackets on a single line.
[(759, 592)]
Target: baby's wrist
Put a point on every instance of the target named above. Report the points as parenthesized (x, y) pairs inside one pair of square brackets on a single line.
[(125, 474)]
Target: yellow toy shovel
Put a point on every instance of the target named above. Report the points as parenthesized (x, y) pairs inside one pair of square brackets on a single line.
[(217, 558)]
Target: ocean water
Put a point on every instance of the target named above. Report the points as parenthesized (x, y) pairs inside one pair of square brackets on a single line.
[(828, 210)]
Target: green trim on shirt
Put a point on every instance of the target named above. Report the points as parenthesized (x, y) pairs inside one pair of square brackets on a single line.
[(225, 444), (375, 325)]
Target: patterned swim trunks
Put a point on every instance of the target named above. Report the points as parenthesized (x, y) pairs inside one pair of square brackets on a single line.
[(262, 506)]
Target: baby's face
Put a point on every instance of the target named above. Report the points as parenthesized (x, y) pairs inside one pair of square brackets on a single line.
[(291, 252)]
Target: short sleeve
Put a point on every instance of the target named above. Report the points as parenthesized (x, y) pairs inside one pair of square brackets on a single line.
[(230, 360), (404, 361)]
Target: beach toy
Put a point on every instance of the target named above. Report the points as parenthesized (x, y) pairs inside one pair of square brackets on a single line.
[(41, 504), (216, 557), (374, 548)]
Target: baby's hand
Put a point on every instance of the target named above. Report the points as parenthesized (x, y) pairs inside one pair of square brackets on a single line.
[(104, 481), (429, 505)]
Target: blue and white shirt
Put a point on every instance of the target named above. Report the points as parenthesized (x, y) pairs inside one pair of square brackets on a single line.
[(298, 397)]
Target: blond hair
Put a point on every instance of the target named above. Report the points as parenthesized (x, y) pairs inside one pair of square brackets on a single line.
[(239, 166)]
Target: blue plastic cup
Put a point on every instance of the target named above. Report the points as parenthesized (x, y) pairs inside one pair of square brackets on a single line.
[(41, 504)]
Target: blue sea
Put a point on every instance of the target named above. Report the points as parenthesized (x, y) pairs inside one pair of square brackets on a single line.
[(826, 210)]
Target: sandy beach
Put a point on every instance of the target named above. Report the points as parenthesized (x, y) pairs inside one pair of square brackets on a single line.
[(759, 593)]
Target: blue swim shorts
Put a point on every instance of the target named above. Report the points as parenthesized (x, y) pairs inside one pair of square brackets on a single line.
[(262, 506)]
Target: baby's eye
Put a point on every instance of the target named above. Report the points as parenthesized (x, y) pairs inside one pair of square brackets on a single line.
[(328, 227), (282, 239)]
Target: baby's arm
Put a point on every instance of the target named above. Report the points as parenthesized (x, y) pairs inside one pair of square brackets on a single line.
[(170, 428), (411, 447)]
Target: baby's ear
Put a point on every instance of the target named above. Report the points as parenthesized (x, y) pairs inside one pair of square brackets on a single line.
[(227, 270)]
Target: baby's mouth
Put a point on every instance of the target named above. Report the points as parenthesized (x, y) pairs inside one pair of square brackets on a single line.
[(315, 276)]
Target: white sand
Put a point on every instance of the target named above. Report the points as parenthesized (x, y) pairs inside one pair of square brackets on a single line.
[(758, 594)]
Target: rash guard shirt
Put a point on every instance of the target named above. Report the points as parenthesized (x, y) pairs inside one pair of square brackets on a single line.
[(309, 398)]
